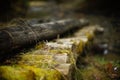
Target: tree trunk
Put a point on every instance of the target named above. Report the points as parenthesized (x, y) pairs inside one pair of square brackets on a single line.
[(18, 36)]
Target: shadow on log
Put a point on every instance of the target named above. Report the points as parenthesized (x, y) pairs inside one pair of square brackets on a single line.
[(18, 36)]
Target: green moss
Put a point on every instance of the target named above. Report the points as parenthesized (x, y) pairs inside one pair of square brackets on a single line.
[(22, 72), (45, 74), (15, 73), (60, 51), (43, 61), (89, 35), (79, 47), (40, 45)]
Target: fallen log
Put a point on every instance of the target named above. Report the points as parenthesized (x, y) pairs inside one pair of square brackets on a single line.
[(18, 36)]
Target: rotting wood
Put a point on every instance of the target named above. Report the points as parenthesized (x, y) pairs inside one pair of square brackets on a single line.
[(24, 34)]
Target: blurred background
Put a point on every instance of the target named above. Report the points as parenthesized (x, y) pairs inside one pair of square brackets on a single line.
[(10, 9)]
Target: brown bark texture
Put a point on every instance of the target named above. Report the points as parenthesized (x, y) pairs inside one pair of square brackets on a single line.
[(14, 37)]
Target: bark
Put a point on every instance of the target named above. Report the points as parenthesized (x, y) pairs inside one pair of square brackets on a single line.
[(18, 36)]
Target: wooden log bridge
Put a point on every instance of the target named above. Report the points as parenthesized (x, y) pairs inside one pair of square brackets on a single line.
[(13, 37)]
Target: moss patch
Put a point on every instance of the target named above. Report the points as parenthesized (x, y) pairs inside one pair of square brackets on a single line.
[(43, 61), (28, 73)]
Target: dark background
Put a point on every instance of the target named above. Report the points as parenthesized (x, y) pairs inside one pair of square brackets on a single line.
[(18, 8)]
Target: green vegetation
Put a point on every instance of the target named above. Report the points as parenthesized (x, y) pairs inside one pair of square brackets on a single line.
[(43, 61), (21, 72)]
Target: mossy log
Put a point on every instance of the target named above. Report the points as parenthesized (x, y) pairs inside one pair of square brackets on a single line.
[(54, 60), (20, 35)]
